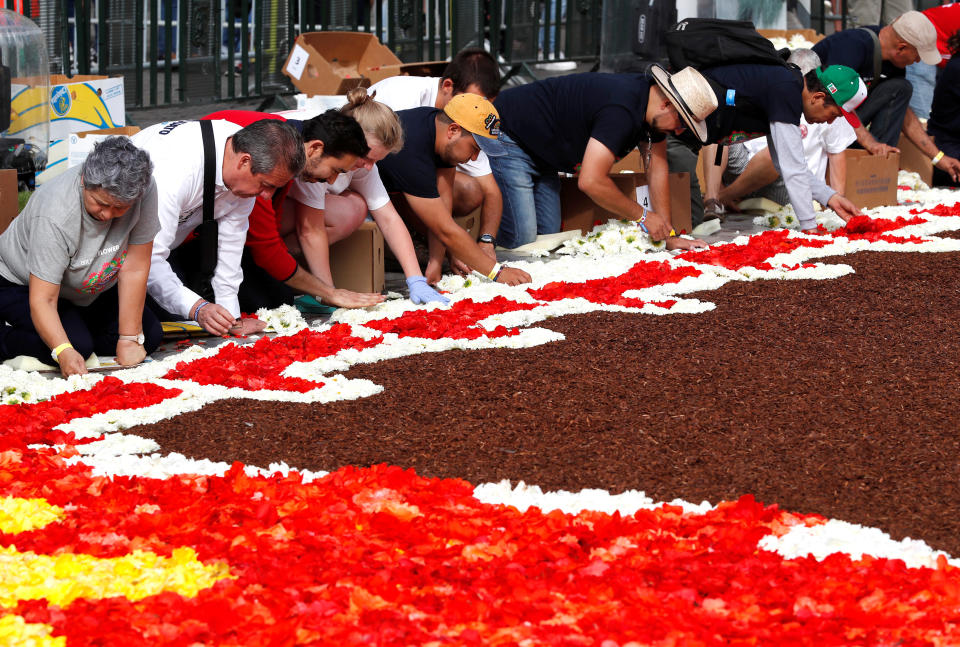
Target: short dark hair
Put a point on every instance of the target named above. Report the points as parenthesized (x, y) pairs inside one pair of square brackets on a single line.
[(340, 134), (474, 65), (815, 85), (270, 143)]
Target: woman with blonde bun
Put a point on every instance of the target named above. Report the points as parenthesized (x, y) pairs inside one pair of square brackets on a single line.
[(324, 219)]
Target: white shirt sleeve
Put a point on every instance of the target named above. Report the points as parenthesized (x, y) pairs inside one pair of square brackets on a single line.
[(786, 151), (476, 168), (312, 194), (838, 136), (369, 185), (231, 236)]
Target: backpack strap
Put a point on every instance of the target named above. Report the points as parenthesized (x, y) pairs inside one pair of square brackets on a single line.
[(877, 54), (208, 232)]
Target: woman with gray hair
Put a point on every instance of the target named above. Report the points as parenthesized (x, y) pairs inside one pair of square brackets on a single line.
[(74, 264)]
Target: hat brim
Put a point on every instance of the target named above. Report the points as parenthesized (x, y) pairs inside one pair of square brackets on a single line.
[(490, 147), (930, 56), (662, 79), (851, 118)]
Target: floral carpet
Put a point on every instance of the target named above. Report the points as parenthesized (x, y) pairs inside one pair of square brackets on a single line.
[(106, 540)]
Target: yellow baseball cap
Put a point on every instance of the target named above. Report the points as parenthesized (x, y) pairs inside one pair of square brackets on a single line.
[(477, 115)]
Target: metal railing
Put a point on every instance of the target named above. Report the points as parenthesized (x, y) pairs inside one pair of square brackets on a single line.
[(175, 51)]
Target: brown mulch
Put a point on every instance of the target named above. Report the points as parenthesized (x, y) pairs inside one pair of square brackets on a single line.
[(836, 397)]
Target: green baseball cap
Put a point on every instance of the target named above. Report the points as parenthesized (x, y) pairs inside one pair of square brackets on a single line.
[(847, 89)]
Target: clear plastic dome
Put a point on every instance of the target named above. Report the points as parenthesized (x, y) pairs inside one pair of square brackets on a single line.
[(23, 49)]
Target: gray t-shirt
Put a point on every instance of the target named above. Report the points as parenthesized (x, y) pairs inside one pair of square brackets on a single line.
[(56, 240)]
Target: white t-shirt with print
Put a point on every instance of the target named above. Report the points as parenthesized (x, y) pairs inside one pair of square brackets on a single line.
[(818, 141)]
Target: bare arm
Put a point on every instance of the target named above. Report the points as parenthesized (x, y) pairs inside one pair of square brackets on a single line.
[(131, 292), (870, 143), (435, 215), (491, 212), (596, 183), (838, 171), (914, 131), (43, 312), (398, 238)]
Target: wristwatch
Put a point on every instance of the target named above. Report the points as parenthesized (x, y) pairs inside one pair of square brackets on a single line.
[(137, 338), (487, 238)]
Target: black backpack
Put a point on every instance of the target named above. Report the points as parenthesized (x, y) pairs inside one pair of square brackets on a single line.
[(707, 42)]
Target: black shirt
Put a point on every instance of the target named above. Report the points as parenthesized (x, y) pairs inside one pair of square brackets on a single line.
[(944, 123), (854, 48), (763, 94), (413, 170), (554, 119)]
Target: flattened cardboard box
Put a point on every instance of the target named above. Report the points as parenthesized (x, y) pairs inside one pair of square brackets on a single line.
[(871, 179), (335, 62), (356, 262), (915, 160), (8, 197), (79, 145), (578, 211)]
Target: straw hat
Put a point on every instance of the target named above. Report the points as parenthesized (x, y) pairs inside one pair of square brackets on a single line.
[(692, 95)]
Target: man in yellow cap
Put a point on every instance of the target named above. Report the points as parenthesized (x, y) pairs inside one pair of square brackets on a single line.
[(420, 178)]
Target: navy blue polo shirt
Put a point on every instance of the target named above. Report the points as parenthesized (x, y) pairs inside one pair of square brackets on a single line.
[(552, 120), (944, 122), (854, 48), (771, 92), (413, 170)]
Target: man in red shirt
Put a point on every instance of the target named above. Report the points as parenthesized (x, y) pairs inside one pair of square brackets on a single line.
[(333, 142), (923, 77)]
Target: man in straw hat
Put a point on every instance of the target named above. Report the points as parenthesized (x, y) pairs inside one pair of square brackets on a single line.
[(583, 123), (420, 178), (769, 100), (911, 38)]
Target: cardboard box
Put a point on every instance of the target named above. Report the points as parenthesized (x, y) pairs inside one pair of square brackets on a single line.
[(578, 211), (77, 103), (335, 62), (424, 68), (871, 179), (79, 145), (8, 197), (356, 262), (808, 34), (470, 222), (915, 160)]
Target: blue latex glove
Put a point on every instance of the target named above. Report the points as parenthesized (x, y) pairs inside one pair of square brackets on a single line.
[(421, 292)]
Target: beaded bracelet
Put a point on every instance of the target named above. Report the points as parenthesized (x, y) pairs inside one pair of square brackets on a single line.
[(196, 313)]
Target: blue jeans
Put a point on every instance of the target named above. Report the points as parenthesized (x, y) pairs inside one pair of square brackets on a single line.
[(923, 78), (531, 196)]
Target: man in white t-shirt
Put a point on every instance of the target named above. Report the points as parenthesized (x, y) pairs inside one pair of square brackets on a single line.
[(471, 70), (251, 161), (750, 170)]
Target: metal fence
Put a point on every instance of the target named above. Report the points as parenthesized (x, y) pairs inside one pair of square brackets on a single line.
[(174, 51)]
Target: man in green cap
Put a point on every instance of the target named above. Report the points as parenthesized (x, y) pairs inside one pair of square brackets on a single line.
[(758, 100)]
